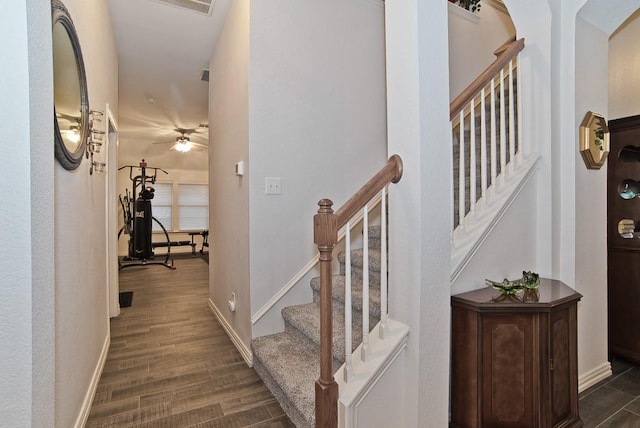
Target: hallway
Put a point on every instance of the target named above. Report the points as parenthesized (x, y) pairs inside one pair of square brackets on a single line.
[(170, 363)]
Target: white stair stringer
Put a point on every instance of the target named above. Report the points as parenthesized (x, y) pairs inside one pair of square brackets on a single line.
[(373, 397), (477, 226)]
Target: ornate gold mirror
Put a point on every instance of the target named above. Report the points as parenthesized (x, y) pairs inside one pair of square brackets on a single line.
[(71, 104), (594, 140)]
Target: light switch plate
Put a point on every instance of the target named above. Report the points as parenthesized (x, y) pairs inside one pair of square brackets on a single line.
[(272, 186)]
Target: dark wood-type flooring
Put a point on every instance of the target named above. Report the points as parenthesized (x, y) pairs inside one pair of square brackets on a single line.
[(614, 402), (170, 363)]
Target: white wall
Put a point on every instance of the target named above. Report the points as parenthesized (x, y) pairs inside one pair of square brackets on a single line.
[(27, 336), (473, 41), (318, 121), (591, 202), (419, 222), (80, 245), (624, 70), (228, 193), (509, 249), (532, 21)]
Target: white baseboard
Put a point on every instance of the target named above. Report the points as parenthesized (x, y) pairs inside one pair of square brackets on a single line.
[(93, 385), (244, 351), (594, 376)]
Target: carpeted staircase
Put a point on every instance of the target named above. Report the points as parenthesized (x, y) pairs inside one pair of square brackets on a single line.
[(289, 362)]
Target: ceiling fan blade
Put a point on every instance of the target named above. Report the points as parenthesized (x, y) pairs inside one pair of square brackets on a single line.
[(185, 131), (199, 138)]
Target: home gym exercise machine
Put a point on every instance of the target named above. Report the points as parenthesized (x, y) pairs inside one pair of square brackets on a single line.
[(138, 218)]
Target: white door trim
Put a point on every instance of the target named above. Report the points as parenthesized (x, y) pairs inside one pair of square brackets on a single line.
[(111, 140)]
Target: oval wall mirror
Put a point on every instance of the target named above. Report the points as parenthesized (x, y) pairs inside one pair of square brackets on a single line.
[(70, 100)]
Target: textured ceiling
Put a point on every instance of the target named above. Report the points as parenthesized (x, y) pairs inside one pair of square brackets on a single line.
[(162, 49)]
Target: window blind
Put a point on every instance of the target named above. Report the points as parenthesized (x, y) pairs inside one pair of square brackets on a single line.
[(161, 206), (193, 206)]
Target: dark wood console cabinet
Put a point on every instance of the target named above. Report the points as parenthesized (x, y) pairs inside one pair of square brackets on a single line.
[(514, 362)]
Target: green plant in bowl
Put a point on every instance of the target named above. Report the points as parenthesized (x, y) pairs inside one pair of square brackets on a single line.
[(530, 280), (506, 287)]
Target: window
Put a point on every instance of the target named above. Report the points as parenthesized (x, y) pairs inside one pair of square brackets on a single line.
[(161, 206), (193, 206)]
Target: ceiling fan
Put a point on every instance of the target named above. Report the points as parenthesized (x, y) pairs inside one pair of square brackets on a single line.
[(183, 143)]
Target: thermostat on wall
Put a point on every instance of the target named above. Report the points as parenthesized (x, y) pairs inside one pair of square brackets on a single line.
[(240, 168)]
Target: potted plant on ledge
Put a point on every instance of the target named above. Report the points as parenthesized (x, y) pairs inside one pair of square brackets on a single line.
[(470, 5)]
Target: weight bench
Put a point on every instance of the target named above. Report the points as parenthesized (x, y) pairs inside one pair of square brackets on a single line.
[(176, 244), (205, 240)]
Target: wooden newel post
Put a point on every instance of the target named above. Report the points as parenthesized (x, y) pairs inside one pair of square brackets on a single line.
[(325, 236)]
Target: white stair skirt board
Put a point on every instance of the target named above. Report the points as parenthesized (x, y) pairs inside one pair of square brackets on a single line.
[(478, 227), (93, 385), (382, 355), (237, 342), (594, 376)]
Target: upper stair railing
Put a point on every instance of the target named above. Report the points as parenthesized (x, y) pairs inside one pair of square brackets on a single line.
[(326, 224), (486, 143)]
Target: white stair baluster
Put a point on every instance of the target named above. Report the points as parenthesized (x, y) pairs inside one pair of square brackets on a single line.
[(512, 125), (452, 188), (348, 345), (521, 152), (472, 158), (494, 137), (483, 147), (383, 263), (461, 175), (503, 130), (365, 283)]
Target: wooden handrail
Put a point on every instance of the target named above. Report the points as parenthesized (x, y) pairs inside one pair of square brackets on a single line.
[(390, 173), (326, 224), (503, 47), (505, 55)]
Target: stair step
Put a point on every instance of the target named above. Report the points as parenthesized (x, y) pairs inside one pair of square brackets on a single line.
[(289, 368), (374, 231), (357, 260), (374, 237), (303, 321), (337, 292), (289, 362)]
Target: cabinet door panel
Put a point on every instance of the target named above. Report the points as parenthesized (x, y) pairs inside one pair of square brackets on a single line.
[(560, 384), (508, 370)]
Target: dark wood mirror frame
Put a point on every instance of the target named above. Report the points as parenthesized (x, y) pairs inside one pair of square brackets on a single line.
[(70, 157)]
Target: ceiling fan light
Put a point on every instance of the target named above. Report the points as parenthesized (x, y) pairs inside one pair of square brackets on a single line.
[(183, 146)]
